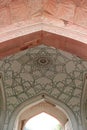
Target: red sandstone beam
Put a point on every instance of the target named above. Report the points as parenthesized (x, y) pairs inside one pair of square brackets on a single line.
[(18, 44), (41, 37), (69, 45)]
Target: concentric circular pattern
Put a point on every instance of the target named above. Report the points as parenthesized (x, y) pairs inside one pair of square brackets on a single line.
[(43, 61)]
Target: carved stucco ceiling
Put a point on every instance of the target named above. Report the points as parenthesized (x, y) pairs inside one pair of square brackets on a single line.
[(41, 70)]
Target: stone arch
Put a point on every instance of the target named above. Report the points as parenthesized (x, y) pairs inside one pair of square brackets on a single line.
[(43, 106), (2, 103), (36, 100)]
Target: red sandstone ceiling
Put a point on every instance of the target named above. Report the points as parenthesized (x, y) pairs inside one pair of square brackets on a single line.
[(58, 23)]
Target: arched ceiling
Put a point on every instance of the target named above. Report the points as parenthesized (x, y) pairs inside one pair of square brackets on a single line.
[(58, 23)]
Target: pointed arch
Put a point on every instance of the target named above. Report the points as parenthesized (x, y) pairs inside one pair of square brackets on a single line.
[(36, 100)]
